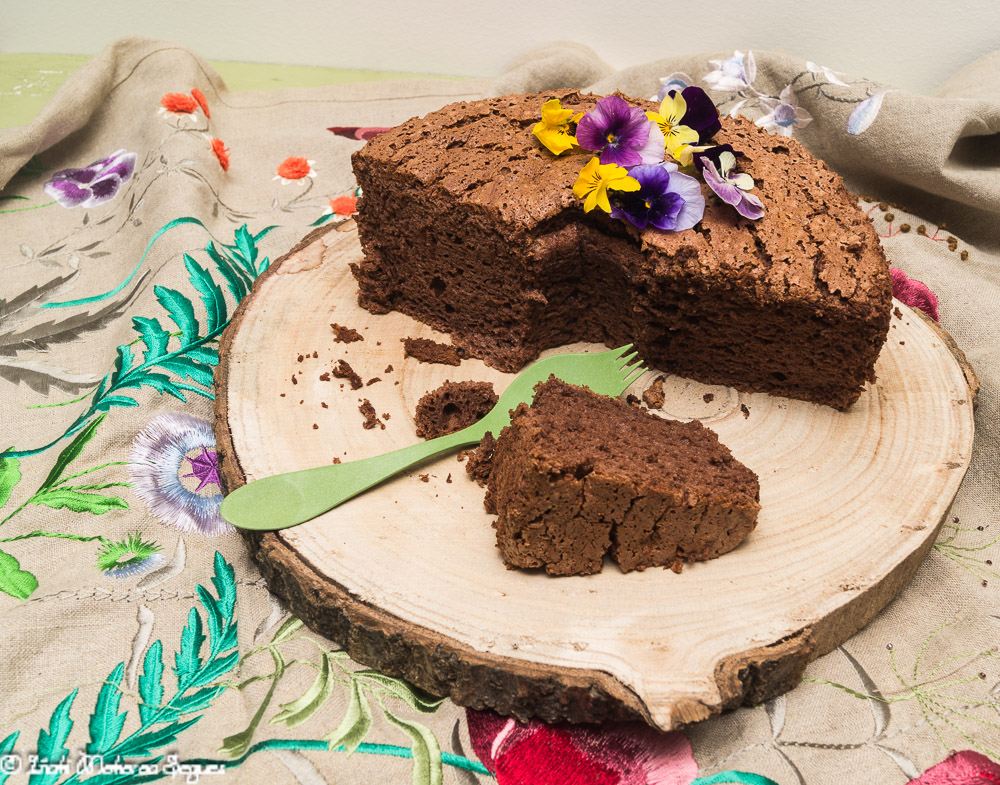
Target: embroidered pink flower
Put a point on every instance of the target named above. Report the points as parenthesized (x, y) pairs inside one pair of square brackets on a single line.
[(914, 294), (221, 152), (615, 754), (961, 768), (199, 96), (294, 169)]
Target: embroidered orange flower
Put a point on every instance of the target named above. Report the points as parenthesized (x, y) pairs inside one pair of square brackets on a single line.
[(294, 169), (179, 103), (222, 153), (344, 205), (199, 96)]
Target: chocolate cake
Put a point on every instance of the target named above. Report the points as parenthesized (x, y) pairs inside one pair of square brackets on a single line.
[(453, 406), (471, 226), (576, 475)]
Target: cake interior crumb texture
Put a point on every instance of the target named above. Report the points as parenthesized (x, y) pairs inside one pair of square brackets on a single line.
[(577, 475), (470, 226), (453, 406)]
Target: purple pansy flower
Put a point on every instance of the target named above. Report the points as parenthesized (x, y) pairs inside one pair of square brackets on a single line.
[(94, 184), (701, 114), (713, 154), (621, 133), (666, 199), (170, 449), (731, 187)]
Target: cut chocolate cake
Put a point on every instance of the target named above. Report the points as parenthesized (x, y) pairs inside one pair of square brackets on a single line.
[(576, 475), (471, 226)]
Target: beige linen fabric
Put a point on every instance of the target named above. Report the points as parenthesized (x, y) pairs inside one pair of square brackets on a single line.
[(937, 157)]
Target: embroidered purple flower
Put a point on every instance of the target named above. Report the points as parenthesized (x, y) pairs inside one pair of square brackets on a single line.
[(94, 184), (666, 199), (130, 557), (621, 133), (731, 187), (678, 80), (173, 448), (914, 293), (785, 113), (733, 74)]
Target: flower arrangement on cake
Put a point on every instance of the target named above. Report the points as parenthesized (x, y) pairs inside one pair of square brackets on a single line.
[(636, 172)]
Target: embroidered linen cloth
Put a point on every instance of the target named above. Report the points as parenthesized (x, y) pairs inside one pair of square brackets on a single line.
[(139, 207)]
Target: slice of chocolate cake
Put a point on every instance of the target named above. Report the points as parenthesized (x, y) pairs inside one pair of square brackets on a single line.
[(453, 406), (576, 475), (469, 225)]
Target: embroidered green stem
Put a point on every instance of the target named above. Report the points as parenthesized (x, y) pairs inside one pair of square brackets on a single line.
[(63, 403), (745, 777), (22, 209), (38, 533)]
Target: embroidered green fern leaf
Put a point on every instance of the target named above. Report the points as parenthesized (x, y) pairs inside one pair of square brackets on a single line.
[(298, 711), (246, 250), (211, 295), (106, 723), (158, 381), (224, 581), (205, 354), (71, 452), (427, 769), (143, 744), (14, 581), (213, 615), (51, 746), (356, 723), (397, 688), (181, 312), (288, 628), (188, 660), (114, 400), (6, 747), (151, 683), (216, 669), (153, 336), (237, 280), (77, 501), (123, 362), (10, 476), (196, 701), (187, 368)]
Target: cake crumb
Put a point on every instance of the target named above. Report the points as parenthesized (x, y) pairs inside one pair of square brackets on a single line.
[(653, 395), (335, 460), (342, 334), (708, 397), (745, 410), (677, 566), (897, 313), (632, 400), (315, 427), (448, 478), (480, 462), (388, 369), (427, 351), (324, 377), (282, 395), (372, 381), (294, 380), (425, 478), (315, 355), (343, 370), (385, 415), (452, 407), (300, 358), (371, 418), (323, 404)]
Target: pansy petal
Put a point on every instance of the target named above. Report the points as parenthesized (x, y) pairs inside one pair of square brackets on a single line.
[(66, 192), (750, 207), (121, 164), (103, 190), (653, 151), (724, 189), (701, 113)]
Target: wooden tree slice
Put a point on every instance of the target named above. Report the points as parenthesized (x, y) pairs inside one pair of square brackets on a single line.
[(407, 576)]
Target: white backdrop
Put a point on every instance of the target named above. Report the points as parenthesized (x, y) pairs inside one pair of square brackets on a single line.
[(913, 45)]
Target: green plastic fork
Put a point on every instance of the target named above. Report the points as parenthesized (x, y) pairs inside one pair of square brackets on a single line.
[(285, 500)]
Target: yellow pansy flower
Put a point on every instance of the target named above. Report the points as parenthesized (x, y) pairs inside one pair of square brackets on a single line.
[(596, 179), (684, 155), (553, 129), (675, 135)]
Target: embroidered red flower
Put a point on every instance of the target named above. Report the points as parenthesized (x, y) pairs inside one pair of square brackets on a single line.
[(614, 754), (344, 205), (914, 293), (199, 96), (179, 103), (295, 169), (961, 768), (222, 153)]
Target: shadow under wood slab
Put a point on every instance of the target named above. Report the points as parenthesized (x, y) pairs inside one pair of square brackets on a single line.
[(407, 577)]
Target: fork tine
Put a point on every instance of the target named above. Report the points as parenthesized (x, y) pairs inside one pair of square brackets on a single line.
[(620, 350), (634, 373), (623, 362)]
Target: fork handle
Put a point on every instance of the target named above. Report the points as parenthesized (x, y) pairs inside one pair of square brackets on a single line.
[(284, 500)]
